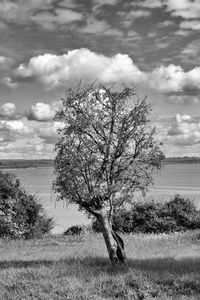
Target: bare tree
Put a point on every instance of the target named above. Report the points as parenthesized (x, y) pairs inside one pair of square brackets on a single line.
[(106, 152)]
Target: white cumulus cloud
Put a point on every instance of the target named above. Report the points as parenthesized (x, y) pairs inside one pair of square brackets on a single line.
[(15, 126), (194, 24), (43, 112), (174, 79), (184, 8), (184, 130), (82, 64), (12, 130), (53, 70), (7, 110)]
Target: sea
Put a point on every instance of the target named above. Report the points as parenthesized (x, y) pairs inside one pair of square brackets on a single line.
[(172, 179)]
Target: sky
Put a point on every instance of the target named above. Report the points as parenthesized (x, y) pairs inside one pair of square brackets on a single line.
[(48, 46)]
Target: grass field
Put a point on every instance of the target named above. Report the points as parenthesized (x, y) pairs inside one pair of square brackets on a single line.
[(77, 267)]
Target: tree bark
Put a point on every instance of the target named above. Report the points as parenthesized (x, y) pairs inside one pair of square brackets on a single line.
[(114, 242)]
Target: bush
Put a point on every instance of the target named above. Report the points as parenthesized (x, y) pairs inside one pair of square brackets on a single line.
[(152, 217), (78, 229), (21, 215), (74, 230), (184, 212)]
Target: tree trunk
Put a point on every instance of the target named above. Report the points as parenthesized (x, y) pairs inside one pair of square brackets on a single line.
[(114, 242)]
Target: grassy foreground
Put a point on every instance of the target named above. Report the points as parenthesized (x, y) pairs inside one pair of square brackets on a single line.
[(76, 267)]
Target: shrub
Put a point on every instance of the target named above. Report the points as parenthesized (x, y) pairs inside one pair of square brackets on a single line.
[(183, 211), (73, 230), (153, 217), (78, 229), (21, 215)]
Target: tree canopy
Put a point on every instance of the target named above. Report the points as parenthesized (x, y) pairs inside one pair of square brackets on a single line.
[(106, 147)]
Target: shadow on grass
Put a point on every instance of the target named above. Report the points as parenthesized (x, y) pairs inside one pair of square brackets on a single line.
[(175, 266), (161, 265), (25, 264)]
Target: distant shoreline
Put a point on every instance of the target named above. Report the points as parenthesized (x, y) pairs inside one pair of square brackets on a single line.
[(26, 163), (182, 160), (47, 163)]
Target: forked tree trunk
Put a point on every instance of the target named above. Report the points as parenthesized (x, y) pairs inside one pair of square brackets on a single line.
[(114, 242)]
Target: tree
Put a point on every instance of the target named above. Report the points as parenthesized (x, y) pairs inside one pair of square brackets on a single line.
[(105, 153), (21, 215)]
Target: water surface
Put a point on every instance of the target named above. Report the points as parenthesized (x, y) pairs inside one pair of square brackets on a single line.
[(183, 179)]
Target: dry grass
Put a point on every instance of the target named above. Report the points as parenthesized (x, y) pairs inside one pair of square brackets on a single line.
[(77, 267)]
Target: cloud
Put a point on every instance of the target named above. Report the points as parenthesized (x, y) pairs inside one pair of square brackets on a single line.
[(152, 4), (26, 149), (184, 130), (187, 9), (165, 23), (8, 82), (12, 8), (99, 27), (192, 24), (60, 17), (20, 11), (15, 126), (127, 18), (140, 13), (67, 3), (23, 139), (105, 2), (98, 5), (5, 63), (180, 134), (174, 79), (49, 133), (167, 78), (183, 99), (8, 112), (14, 12), (53, 70), (43, 112), (43, 13), (192, 49), (183, 32), (3, 26), (12, 130), (190, 54), (8, 109), (161, 45)]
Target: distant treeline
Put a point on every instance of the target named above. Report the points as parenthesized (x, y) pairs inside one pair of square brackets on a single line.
[(182, 160), (25, 163), (45, 163)]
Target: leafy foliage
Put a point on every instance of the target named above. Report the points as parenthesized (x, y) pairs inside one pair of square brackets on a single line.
[(106, 149), (153, 217), (21, 215)]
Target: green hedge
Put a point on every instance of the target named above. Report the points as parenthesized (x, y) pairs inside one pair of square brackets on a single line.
[(21, 215), (179, 214)]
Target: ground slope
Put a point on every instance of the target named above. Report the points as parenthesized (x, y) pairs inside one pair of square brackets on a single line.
[(77, 267)]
